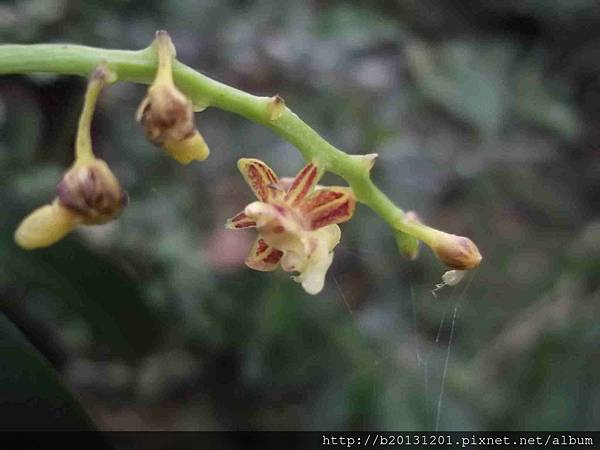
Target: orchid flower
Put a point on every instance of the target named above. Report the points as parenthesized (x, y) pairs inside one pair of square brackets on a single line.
[(296, 221)]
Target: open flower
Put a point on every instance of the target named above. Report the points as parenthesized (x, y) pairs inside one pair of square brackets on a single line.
[(296, 223)]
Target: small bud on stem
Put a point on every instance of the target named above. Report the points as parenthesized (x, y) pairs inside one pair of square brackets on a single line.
[(456, 252), (167, 114), (89, 188), (366, 161), (275, 107), (408, 245)]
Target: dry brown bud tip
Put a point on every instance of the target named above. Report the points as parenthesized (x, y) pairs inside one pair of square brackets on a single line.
[(457, 252)]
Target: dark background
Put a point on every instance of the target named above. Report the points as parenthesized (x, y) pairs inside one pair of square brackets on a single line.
[(485, 117)]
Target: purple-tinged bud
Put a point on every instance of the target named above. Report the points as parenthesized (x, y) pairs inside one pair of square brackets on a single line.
[(92, 192), (166, 114), (457, 252)]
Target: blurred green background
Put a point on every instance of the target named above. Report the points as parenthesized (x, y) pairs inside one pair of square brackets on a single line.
[(485, 117)]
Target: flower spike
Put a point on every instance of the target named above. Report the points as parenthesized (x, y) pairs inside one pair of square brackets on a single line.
[(88, 194), (296, 221), (167, 114)]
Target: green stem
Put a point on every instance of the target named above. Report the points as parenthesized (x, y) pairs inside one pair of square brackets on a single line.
[(140, 66)]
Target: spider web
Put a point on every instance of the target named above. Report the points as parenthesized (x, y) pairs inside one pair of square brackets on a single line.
[(455, 301)]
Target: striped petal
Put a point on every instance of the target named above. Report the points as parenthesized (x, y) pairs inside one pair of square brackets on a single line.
[(260, 177), (263, 257), (303, 184), (328, 206), (239, 221)]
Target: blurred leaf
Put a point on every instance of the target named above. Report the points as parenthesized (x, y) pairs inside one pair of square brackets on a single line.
[(539, 103), (18, 137), (106, 298), (33, 397), (469, 79)]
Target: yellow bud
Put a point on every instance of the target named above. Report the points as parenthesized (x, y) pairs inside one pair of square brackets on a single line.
[(45, 226), (189, 149), (92, 192), (457, 252), (168, 118)]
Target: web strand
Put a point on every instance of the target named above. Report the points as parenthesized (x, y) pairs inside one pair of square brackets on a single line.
[(421, 362), (457, 306), (339, 288)]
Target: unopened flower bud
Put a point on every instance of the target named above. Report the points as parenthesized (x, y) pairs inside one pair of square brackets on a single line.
[(92, 192), (457, 252), (167, 114), (88, 194)]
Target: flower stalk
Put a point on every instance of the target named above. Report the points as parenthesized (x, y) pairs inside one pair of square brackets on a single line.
[(83, 142), (140, 66)]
